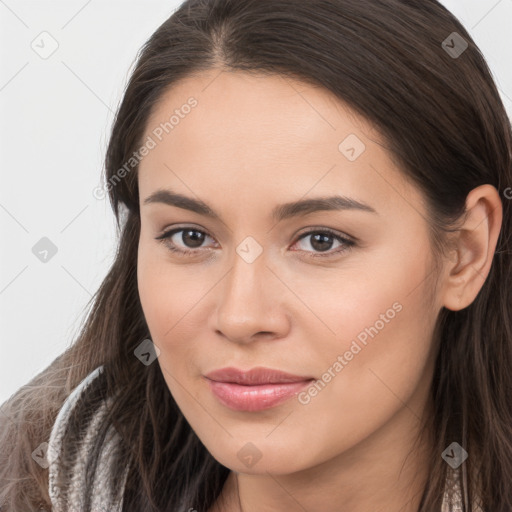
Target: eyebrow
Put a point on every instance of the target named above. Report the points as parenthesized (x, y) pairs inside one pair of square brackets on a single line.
[(279, 213)]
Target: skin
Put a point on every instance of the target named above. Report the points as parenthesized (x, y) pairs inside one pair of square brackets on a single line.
[(251, 143)]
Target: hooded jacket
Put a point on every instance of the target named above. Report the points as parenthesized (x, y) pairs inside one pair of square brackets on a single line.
[(75, 433)]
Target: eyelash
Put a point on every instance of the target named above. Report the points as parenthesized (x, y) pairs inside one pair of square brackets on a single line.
[(349, 244)]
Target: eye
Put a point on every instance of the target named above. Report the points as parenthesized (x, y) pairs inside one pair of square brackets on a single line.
[(189, 235), (321, 240), (192, 239)]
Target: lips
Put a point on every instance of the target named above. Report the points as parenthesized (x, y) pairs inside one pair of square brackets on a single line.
[(256, 389)]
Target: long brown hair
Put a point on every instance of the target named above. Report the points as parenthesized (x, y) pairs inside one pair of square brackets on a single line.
[(446, 128)]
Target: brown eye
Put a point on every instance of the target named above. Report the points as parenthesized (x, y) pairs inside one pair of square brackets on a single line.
[(190, 239), (321, 241), (190, 236)]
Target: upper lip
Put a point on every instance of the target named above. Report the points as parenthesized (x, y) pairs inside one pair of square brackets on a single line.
[(254, 376)]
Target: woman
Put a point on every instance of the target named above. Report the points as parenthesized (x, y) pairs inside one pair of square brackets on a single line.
[(309, 307)]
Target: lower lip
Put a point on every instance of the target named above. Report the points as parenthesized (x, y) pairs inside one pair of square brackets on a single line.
[(255, 398)]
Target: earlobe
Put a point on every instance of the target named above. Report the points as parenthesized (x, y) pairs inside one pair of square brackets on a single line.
[(475, 246)]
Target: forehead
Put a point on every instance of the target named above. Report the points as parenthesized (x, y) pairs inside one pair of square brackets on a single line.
[(234, 131), (269, 109)]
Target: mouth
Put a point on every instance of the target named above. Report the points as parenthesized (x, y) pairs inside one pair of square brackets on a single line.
[(254, 390)]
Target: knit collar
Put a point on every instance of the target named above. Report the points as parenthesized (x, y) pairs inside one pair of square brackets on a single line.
[(67, 477)]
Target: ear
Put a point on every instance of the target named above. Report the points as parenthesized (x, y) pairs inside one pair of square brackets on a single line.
[(475, 244)]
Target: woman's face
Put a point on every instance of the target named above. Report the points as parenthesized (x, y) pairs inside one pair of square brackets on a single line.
[(270, 285)]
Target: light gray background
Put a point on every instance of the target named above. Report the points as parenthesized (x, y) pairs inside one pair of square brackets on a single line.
[(55, 116)]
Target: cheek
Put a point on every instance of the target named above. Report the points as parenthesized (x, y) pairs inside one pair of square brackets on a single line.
[(165, 313), (382, 297), (171, 298), (379, 355), (167, 292), (161, 302)]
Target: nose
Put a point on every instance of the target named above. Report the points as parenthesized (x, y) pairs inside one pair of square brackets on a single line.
[(250, 303)]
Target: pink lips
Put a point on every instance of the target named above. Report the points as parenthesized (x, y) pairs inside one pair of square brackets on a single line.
[(254, 390)]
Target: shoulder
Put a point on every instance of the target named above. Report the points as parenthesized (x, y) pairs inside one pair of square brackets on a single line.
[(82, 451)]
